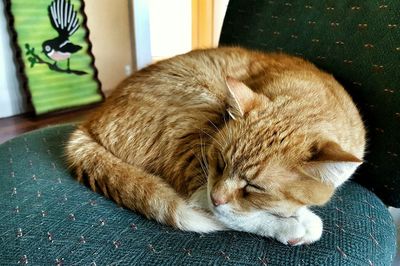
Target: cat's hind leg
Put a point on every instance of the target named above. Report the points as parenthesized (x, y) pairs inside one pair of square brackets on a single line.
[(132, 187)]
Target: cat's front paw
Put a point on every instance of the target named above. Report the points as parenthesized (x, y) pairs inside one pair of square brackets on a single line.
[(290, 230), (308, 223)]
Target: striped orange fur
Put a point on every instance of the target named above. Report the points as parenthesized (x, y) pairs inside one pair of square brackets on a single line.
[(188, 136)]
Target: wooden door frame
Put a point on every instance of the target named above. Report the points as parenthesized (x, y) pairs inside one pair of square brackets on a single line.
[(202, 23)]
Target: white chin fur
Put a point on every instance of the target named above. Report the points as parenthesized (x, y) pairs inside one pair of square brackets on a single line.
[(305, 228)]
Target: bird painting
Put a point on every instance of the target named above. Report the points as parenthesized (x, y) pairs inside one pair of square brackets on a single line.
[(47, 35), (65, 21)]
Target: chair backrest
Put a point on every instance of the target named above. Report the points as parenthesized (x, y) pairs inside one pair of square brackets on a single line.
[(358, 41)]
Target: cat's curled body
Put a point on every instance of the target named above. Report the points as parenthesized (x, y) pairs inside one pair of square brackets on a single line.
[(223, 138)]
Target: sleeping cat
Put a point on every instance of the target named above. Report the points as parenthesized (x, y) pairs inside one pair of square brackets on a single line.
[(223, 139)]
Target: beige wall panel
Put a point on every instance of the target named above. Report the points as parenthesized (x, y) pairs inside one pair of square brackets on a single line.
[(109, 25)]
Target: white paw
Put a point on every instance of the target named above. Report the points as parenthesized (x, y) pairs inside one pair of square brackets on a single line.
[(311, 226), (306, 228), (289, 229)]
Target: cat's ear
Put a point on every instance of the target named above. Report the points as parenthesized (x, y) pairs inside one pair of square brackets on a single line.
[(240, 98), (331, 163)]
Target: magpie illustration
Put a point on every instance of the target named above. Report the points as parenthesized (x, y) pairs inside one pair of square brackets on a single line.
[(64, 20)]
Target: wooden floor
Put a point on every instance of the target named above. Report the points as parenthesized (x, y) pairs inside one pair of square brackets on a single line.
[(13, 126)]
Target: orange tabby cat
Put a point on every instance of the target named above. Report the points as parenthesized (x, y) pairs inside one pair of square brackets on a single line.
[(223, 139)]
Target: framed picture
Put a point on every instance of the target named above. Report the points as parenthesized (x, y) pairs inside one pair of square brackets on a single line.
[(54, 53)]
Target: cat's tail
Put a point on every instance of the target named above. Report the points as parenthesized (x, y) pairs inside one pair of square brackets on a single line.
[(131, 186)]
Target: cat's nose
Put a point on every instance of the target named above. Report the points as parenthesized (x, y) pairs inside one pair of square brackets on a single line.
[(217, 201)]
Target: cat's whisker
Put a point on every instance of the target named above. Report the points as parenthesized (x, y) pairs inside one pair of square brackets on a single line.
[(203, 157), (223, 137), (209, 120), (201, 160), (212, 137), (203, 178), (201, 165), (216, 131), (212, 123), (229, 132)]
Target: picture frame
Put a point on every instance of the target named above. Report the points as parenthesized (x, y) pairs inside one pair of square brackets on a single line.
[(54, 54)]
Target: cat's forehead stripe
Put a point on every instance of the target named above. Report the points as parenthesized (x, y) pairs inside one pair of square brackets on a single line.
[(251, 170), (253, 174)]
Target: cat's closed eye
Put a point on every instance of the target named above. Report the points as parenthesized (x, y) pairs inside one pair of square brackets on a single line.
[(251, 186)]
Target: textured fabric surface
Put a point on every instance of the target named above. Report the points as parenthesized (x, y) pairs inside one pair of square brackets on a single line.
[(356, 40), (46, 217)]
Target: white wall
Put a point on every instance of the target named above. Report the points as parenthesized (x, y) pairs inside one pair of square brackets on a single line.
[(170, 27), (110, 34), (12, 98), (220, 7), (140, 35)]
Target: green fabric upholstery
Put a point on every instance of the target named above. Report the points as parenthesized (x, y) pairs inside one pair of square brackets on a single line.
[(356, 40), (46, 218)]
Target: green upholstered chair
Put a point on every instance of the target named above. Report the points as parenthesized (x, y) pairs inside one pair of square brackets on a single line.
[(46, 217)]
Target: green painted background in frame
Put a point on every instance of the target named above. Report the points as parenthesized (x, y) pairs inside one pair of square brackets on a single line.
[(61, 75)]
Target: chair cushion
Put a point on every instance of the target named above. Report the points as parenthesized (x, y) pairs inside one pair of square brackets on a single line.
[(46, 217), (356, 40)]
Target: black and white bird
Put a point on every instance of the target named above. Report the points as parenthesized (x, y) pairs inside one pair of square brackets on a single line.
[(64, 20)]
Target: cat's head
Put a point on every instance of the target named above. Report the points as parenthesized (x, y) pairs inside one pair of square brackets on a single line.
[(260, 160)]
